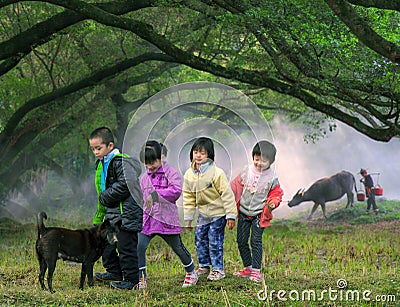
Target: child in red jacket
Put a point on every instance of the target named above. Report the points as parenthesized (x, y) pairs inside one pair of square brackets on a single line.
[(257, 193)]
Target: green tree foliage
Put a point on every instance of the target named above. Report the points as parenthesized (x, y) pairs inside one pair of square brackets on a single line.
[(67, 66)]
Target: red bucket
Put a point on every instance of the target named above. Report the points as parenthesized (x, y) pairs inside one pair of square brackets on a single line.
[(378, 190), (360, 196)]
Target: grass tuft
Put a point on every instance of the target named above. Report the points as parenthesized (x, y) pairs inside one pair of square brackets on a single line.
[(299, 255)]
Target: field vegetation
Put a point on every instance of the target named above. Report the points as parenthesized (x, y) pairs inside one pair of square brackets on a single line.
[(350, 260)]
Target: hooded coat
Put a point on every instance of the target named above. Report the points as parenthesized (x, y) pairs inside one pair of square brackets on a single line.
[(162, 217), (122, 197)]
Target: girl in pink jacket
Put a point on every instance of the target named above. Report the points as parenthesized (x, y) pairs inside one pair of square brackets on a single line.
[(161, 187)]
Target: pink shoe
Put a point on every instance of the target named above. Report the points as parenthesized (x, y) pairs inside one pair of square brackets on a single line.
[(190, 279), (246, 272), (255, 276), (216, 275)]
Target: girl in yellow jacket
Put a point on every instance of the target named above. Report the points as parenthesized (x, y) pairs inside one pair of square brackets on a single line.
[(206, 189)]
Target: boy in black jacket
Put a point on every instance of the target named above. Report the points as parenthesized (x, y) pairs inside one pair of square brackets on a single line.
[(120, 202)]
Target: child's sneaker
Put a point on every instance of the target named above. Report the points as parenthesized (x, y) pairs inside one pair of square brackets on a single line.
[(204, 270), (216, 275), (190, 279), (246, 272), (256, 276)]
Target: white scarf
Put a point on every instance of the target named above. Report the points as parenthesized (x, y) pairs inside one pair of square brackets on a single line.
[(258, 181)]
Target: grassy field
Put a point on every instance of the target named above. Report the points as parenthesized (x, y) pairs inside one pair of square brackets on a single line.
[(353, 259)]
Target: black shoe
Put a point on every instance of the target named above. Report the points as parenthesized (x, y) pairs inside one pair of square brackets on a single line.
[(123, 285), (106, 276)]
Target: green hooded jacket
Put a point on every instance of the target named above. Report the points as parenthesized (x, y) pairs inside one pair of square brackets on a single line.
[(101, 210)]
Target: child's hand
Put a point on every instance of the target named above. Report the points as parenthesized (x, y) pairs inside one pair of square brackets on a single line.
[(188, 225), (230, 223), (149, 202), (271, 206)]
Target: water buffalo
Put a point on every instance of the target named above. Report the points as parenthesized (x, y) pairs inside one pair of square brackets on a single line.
[(327, 189)]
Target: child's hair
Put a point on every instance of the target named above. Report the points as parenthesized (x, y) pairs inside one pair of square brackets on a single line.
[(205, 143), (164, 150), (150, 152), (266, 150), (103, 133)]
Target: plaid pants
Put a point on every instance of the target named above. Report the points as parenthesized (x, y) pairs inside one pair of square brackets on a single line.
[(209, 240)]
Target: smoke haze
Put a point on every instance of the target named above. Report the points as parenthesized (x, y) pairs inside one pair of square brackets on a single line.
[(300, 164)]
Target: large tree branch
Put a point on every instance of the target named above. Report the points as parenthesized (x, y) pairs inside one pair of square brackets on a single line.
[(23, 43), (9, 64), (146, 32), (93, 80), (4, 3), (14, 143), (363, 31), (379, 4)]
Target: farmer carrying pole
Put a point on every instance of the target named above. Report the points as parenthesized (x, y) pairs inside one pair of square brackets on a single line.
[(369, 184)]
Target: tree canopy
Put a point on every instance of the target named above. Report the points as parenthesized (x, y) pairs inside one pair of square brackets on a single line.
[(64, 60)]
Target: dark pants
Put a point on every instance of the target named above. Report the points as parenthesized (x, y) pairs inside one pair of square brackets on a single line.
[(249, 257), (371, 200), (174, 241), (125, 262)]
